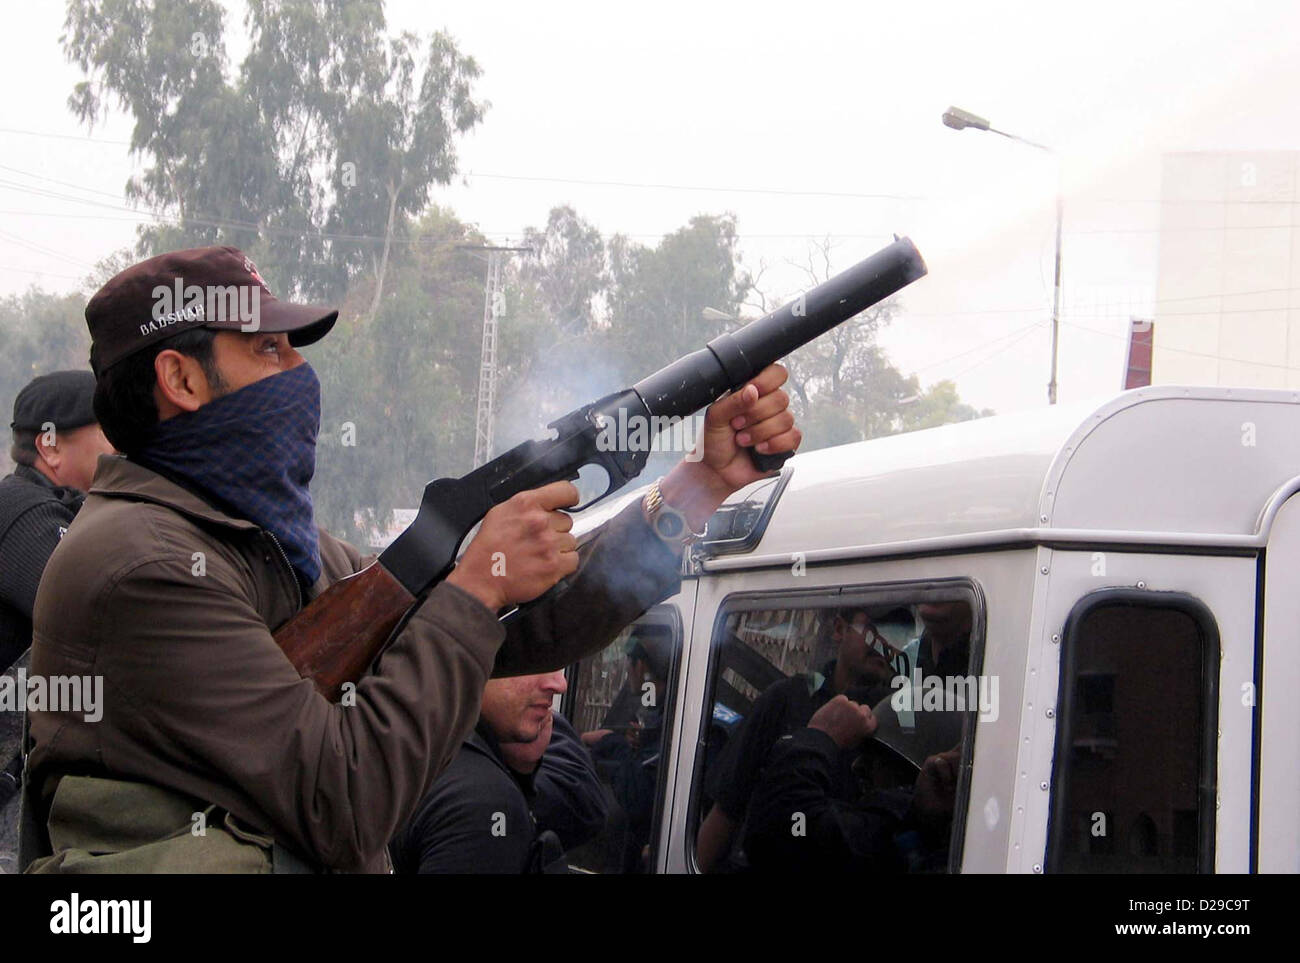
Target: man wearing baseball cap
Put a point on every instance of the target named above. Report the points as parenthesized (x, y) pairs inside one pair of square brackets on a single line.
[(200, 541), (55, 445)]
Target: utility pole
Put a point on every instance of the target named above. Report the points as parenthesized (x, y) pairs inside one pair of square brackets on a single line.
[(493, 302), (959, 119)]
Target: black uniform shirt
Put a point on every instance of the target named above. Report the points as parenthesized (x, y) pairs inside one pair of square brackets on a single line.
[(34, 514)]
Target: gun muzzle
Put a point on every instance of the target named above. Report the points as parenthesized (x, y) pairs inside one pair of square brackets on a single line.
[(731, 359)]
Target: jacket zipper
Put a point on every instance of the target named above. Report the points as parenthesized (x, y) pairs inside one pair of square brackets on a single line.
[(293, 576)]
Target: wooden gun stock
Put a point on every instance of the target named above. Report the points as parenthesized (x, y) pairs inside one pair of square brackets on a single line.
[(336, 637)]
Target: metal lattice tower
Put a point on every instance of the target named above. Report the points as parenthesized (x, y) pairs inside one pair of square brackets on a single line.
[(485, 419)]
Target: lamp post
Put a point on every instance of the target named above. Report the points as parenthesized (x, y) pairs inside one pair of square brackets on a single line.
[(959, 119)]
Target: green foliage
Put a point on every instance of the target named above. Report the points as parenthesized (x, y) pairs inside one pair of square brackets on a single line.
[(404, 380), (940, 405), (658, 294), (311, 157), (41, 333), (842, 386), (568, 273)]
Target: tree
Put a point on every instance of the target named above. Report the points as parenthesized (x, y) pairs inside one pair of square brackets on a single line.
[(400, 127), (399, 388), (163, 62), (41, 333), (940, 405), (658, 294), (317, 157), (568, 272), (842, 385), (311, 158), (552, 333)]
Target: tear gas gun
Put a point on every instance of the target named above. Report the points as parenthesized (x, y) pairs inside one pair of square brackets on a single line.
[(336, 637)]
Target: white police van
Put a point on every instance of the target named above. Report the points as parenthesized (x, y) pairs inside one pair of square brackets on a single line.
[(1129, 576)]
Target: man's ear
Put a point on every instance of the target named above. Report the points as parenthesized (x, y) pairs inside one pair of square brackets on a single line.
[(47, 447), (179, 384)]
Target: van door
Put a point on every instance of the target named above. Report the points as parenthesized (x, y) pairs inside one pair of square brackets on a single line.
[(1138, 723), (763, 655)]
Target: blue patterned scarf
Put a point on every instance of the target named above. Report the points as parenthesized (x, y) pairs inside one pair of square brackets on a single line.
[(253, 452)]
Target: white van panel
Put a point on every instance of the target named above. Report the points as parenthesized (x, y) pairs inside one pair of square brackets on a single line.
[(1279, 779), (1227, 587), (676, 744), (998, 575)]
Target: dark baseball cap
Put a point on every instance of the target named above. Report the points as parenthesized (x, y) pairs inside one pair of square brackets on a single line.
[(203, 287), (652, 644), (64, 399)]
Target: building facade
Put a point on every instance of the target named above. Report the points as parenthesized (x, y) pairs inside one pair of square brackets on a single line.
[(1227, 308)]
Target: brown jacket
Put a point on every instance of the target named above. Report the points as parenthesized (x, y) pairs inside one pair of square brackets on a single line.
[(173, 603)]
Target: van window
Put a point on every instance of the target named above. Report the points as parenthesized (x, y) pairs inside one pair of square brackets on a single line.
[(1134, 769), (792, 779), (619, 702)]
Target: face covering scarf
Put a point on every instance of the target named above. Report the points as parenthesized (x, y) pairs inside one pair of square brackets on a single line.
[(254, 452)]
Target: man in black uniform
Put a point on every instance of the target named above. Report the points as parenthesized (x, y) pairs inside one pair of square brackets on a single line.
[(862, 661), (521, 791), (806, 817), (56, 443), (649, 659)]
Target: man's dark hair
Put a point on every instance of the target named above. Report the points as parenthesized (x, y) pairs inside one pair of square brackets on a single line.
[(124, 402), (23, 449)]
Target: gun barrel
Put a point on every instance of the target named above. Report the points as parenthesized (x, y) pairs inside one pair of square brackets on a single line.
[(731, 359)]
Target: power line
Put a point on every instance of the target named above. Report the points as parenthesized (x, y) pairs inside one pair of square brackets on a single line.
[(785, 192), (48, 274), (651, 185), (978, 347), (1003, 350), (42, 177), (1188, 351), (85, 139), (41, 249)]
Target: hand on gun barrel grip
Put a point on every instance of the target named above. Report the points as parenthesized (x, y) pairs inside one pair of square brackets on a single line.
[(523, 547), (757, 416)]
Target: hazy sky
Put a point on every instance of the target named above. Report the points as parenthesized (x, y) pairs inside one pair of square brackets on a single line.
[(804, 120)]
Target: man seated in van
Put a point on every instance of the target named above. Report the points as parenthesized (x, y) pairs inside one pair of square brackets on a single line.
[(894, 816), (863, 659), (628, 746), (943, 648), (649, 659)]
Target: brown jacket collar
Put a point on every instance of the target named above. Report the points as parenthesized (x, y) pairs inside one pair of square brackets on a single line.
[(118, 477)]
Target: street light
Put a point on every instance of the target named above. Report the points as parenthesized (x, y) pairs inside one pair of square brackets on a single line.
[(959, 119)]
